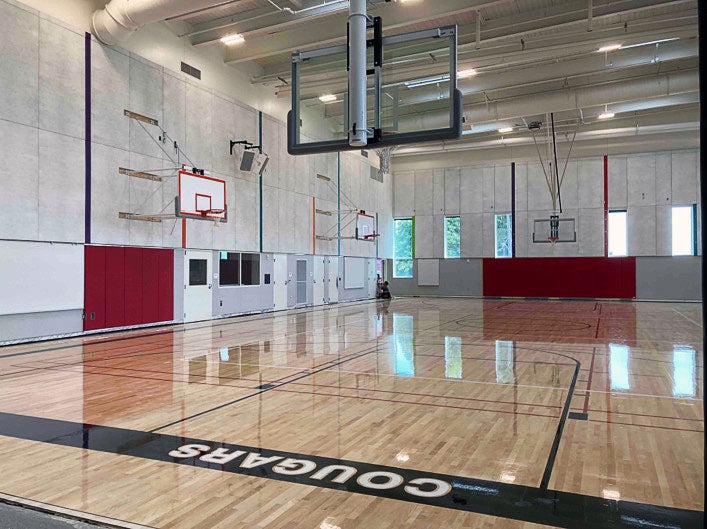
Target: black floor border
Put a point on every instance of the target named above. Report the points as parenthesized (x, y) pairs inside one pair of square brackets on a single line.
[(504, 500)]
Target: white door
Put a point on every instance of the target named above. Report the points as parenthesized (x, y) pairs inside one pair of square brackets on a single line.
[(372, 278), (280, 281), (333, 285), (197, 285), (319, 280)]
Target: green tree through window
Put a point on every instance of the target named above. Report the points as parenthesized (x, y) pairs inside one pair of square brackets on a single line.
[(452, 236), (402, 248), (504, 235)]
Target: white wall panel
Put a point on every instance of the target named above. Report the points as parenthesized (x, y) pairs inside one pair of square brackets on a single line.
[(27, 285), (61, 79), (423, 192), (61, 188), (618, 182), (451, 191), (146, 99), (438, 192), (684, 177), (488, 186), (18, 181), (641, 180), (502, 189), (424, 238), (470, 189), (641, 230), (590, 175), (663, 178), (19, 59)]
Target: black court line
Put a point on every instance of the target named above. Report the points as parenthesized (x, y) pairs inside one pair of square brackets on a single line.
[(560, 426), (271, 315), (269, 387), (504, 500)]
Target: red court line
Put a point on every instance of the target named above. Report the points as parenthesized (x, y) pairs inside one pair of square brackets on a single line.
[(667, 417), (170, 380), (306, 384), (647, 426)]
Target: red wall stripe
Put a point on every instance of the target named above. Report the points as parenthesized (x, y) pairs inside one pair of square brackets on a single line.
[(115, 286), (133, 286), (150, 286), (94, 288), (606, 206), (165, 285), (563, 277)]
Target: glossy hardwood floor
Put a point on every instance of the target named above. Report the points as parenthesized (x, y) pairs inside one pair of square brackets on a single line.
[(596, 406)]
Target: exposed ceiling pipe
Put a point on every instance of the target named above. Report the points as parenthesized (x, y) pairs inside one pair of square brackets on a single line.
[(120, 18), (627, 95)]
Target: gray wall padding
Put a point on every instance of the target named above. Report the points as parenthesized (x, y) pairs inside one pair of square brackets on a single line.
[(36, 324), (669, 278), (457, 277), (428, 273), (242, 299)]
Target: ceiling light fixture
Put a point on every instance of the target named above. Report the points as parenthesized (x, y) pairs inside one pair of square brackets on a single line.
[(504, 130), (607, 114), (327, 98), (609, 47), (649, 43), (230, 40), (469, 72), (427, 81)]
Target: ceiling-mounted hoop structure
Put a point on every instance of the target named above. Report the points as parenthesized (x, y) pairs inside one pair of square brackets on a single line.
[(350, 138)]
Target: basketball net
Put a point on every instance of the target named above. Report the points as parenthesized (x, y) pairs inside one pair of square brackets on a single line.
[(384, 158)]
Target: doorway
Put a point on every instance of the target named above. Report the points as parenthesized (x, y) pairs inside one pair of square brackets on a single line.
[(198, 290)]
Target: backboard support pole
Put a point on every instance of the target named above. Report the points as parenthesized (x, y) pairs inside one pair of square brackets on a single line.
[(358, 126)]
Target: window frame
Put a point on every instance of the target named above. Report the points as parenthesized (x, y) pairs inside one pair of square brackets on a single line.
[(608, 232), (412, 248), (446, 253), (240, 270), (693, 239), (495, 235)]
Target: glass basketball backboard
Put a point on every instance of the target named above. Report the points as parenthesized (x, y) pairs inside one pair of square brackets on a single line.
[(411, 97)]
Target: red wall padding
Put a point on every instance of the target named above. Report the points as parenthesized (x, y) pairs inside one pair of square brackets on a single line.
[(127, 286), (562, 277)]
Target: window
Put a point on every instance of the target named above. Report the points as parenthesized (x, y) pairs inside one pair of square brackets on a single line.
[(239, 269), (504, 235), (404, 344), (452, 241), (505, 372), (617, 234), (683, 230), (197, 272), (618, 366), (250, 269), (402, 248), (452, 357), (229, 269), (683, 371)]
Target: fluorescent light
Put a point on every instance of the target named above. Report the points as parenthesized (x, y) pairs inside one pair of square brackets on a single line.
[(606, 115), (649, 43), (327, 98), (609, 47), (427, 81), (469, 72), (236, 38), (503, 130)]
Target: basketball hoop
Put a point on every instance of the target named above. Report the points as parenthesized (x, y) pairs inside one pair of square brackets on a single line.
[(213, 214)]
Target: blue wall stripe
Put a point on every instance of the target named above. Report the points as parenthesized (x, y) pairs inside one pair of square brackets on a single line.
[(260, 180), (87, 139), (338, 201)]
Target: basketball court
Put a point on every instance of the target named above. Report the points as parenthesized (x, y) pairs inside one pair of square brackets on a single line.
[(205, 204)]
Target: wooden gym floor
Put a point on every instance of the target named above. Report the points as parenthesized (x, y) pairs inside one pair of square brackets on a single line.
[(423, 413)]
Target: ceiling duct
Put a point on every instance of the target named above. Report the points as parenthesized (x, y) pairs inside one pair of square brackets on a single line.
[(120, 18)]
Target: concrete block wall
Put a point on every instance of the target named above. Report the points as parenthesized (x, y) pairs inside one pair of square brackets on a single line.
[(42, 116), (43, 102), (646, 185)]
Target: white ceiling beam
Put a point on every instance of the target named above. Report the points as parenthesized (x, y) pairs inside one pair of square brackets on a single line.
[(304, 36)]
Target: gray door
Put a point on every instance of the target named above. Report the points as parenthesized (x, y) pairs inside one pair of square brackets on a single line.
[(301, 281)]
